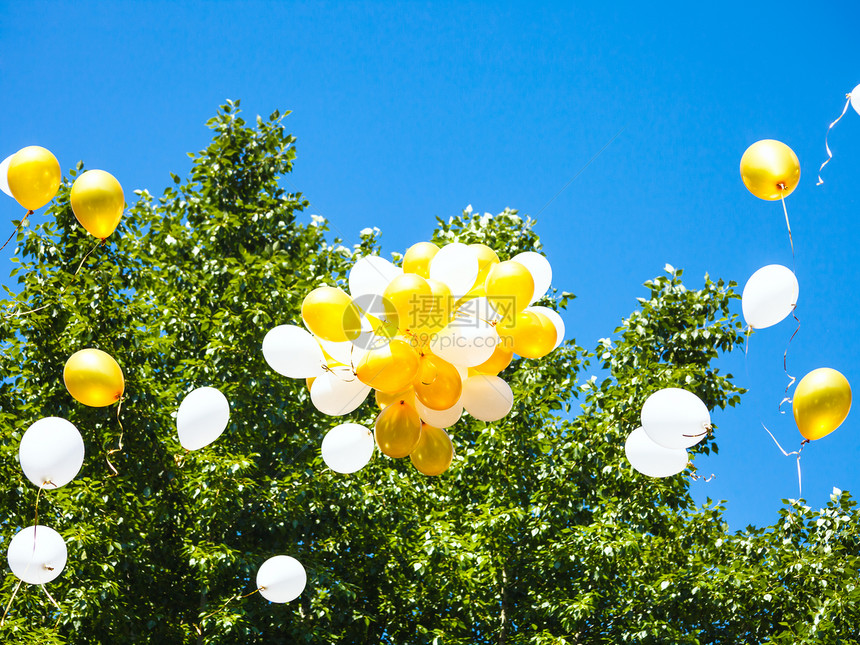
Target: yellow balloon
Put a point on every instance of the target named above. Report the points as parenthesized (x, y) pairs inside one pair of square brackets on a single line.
[(537, 336), (329, 314), (821, 402), (94, 378), (500, 359), (487, 259), (397, 429), (434, 452), (391, 368), (443, 306), (770, 169), (417, 258), (408, 298), (33, 177), (384, 399), (438, 384), (97, 202), (509, 288)]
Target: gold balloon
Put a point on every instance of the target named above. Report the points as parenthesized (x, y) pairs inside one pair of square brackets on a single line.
[(821, 402), (391, 368), (500, 359), (487, 259), (94, 378), (397, 429), (537, 336), (330, 314), (443, 306), (33, 176), (417, 258), (510, 287), (770, 169), (438, 384), (384, 399), (97, 202), (408, 298), (434, 452)]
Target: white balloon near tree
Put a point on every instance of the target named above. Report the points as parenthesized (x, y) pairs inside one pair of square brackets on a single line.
[(466, 341), (37, 554), (769, 296), (51, 452), (338, 392), (651, 458), (293, 352), (203, 415), (281, 579), (457, 266), (487, 397), (347, 448), (370, 275), (675, 418), (540, 269), (439, 418)]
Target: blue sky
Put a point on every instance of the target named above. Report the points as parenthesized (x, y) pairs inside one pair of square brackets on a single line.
[(408, 111)]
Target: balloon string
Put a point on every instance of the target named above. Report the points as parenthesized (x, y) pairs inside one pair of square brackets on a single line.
[(708, 430), (826, 145), (787, 454), (9, 604), (56, 604), (119, 441), (17, 228), (792, 379), (787, 224), (223, 607), (63, 290), (696, 477)]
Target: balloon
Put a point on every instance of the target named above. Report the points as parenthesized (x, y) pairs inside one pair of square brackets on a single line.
[(330, 314), (51, 452), (443, 306), (438, 385), (465, 341), (33, 177), (391, 368), (652, 459), (531, 336), (97, 202), (855, 99), (292, 351), (37, 554), (770, 169), (487, 259), (347, 448), (203, 415), (281, 579), (501, 358), (675, 418), (434, 452), (4, 176), (540, 270), (439, 418), (93, 378), (769, 296), (510, 287), (822, 400), (384, 399), (457, 266), (486, 397), (418, 257), (555, 319), (478, 307), (409, 301), (397, 429), (338, 392), (370, 275)]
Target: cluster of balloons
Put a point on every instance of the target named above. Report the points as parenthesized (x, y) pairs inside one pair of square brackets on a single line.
[(430, 337), (32, 177), (672, 420)]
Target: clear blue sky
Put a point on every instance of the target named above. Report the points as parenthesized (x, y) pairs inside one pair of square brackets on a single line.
[(408, 111)]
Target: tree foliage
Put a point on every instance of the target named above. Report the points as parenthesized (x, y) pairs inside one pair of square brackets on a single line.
[(540, 533)]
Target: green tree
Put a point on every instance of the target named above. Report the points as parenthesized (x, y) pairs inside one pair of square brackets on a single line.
[(540, 533)]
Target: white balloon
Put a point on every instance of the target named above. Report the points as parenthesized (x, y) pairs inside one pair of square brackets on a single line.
[(294, 352), (457, 266), (480, 308), (203, 415), (675, 418), (652, 459), (555, 319), (370, 275), (281, 579), (338, 392), (37, 554), (347, 448), (346, 352), (769, 296), (855, 99), (487, 397), (439, 418), (465, 341), (4, 175), (540, 269), (51, 452)]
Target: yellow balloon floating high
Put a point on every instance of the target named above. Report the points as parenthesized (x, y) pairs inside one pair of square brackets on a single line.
[(33, 177), (770, 169), (821, 403), (97, 202), (93, 378)]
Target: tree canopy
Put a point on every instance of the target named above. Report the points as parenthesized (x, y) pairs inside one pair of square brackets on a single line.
[(540, 532)]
